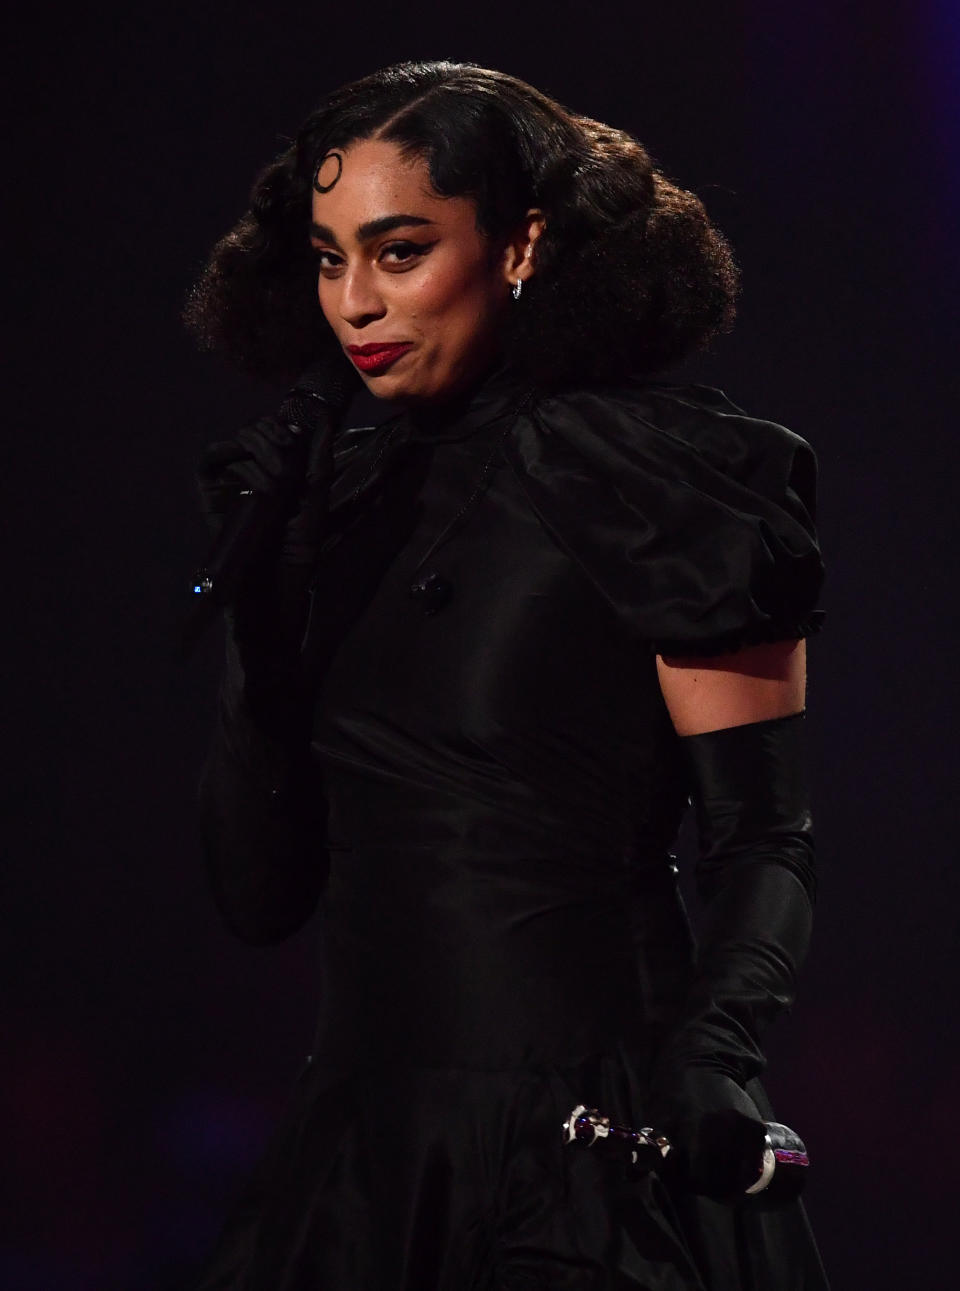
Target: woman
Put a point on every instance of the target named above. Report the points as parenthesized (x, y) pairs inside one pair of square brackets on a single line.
[(471, 681)]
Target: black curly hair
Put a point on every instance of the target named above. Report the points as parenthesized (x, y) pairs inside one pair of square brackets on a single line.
[(631, 276)]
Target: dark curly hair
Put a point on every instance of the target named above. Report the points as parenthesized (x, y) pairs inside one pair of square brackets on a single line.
[(631, 276)]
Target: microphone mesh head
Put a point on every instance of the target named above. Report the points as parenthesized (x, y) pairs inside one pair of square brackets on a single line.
[(303, 411), (331, 378)]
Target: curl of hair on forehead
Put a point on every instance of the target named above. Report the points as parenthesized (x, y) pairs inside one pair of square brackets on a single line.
[(330, 156)]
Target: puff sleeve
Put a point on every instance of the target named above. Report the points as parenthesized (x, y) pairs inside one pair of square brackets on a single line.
[(693, 520)]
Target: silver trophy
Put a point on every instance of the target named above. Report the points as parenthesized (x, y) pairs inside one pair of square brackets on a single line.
[(781, 1168)]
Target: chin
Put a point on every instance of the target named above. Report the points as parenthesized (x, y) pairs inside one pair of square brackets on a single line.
[(401, 389), (416, 386), (380, 391)]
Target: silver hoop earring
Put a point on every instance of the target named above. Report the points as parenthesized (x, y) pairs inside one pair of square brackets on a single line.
[(517, 288)]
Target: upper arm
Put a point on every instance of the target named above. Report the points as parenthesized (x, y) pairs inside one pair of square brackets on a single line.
[(749, 685)]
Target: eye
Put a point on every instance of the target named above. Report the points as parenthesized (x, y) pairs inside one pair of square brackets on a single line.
[(326, 259), (404, 253)]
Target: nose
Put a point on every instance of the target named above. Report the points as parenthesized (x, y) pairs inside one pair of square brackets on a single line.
[(360, 301)]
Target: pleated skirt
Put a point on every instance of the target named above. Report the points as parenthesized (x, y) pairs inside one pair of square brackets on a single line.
[(414, 1178)]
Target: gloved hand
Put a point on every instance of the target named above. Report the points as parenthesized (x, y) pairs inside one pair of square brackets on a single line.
[(288, 459), (279, 460), (756, 877), (260, 800), (716, 1132)]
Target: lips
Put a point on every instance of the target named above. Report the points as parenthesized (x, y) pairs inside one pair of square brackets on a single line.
[(377, 357)]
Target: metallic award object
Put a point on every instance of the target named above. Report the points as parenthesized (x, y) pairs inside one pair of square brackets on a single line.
[(781, 1170)]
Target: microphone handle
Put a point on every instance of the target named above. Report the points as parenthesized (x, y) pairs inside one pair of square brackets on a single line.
[(242, 532)]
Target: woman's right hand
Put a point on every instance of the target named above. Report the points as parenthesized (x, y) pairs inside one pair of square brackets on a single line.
[(267, 613), (287, 457), (261, 458), (271, 458), (259, 810)]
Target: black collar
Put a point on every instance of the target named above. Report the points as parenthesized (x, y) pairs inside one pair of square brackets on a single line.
[(500, 392)]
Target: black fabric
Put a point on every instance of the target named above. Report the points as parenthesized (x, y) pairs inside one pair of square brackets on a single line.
[(694, 520), (501, 928), (260, 813), (757, 880)]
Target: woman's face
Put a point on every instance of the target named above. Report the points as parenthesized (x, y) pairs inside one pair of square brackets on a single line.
[(404, 275)]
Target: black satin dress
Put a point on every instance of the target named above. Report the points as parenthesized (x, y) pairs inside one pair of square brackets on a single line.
[(501, 929)]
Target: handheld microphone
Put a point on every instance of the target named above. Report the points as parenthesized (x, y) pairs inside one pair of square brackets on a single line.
[(310, 409)]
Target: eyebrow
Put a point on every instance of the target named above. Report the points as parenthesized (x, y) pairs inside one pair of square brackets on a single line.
[(372, 228)]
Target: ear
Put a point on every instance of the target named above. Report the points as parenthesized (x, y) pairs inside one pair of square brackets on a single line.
[(519, 258)]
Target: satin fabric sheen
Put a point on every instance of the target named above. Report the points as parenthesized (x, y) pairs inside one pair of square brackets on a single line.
[(501, 930)]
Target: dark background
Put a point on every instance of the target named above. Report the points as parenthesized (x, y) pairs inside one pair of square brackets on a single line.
[(145, 1053)]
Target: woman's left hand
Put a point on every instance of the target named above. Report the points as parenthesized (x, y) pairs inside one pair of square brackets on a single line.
[(716, 1132)]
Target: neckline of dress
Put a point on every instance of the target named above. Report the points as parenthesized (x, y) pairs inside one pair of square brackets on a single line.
[(499, 392)]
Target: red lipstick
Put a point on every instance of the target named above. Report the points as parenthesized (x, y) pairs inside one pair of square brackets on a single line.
[(377, 358)]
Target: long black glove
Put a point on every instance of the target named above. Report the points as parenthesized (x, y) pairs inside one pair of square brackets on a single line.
[(757, 880), (261, 814)]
